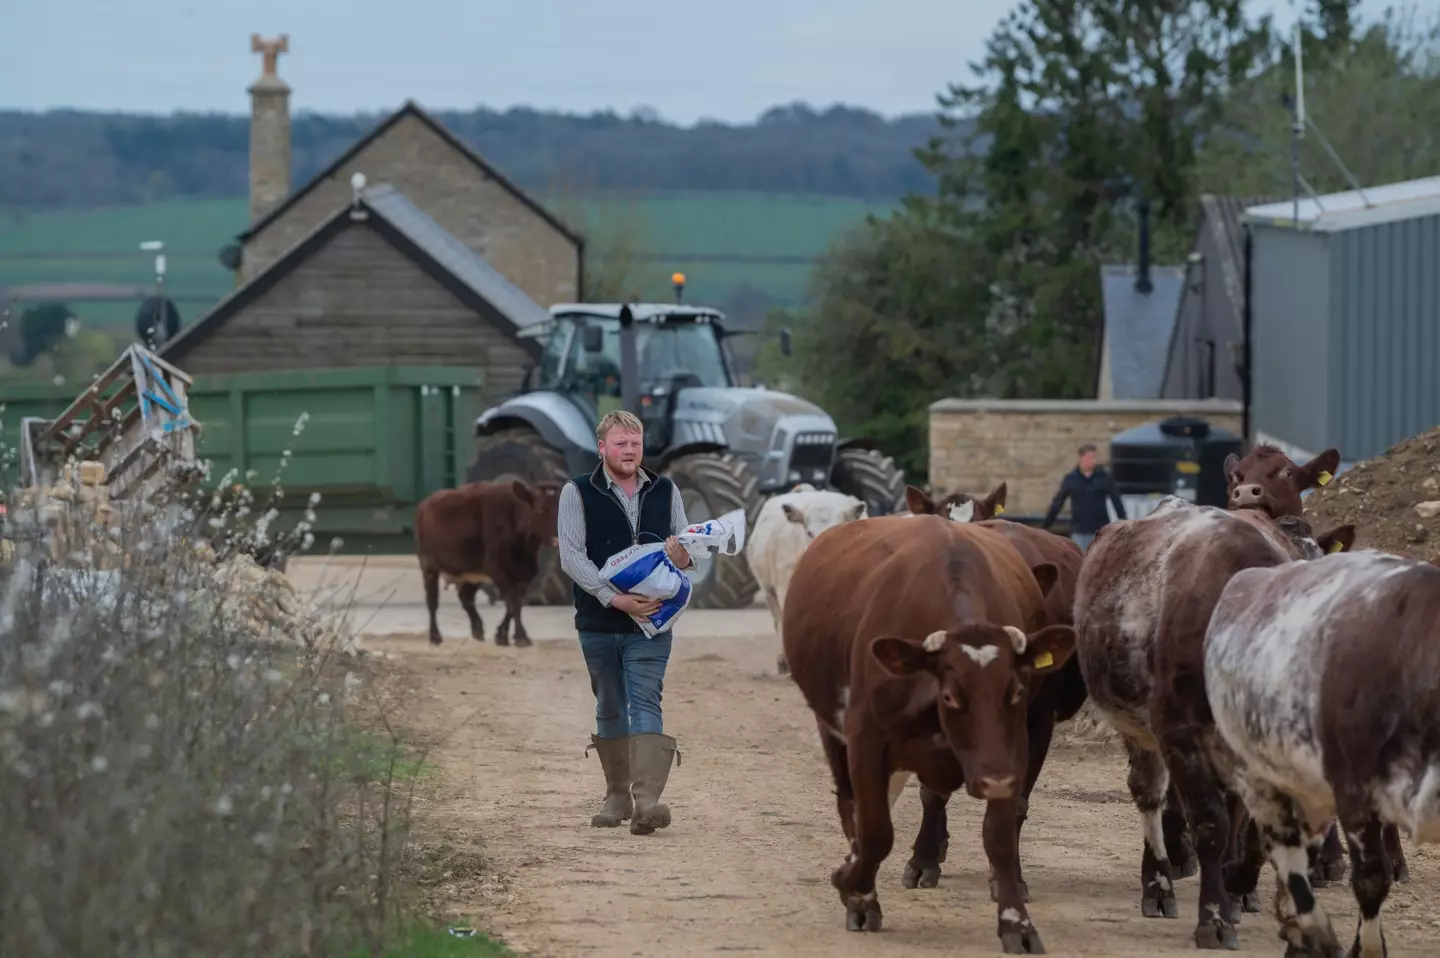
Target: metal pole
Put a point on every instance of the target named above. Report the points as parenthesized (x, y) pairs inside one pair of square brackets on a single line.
[(1297, 129)]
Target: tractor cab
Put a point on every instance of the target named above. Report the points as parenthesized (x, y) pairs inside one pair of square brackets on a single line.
[(676, 347)]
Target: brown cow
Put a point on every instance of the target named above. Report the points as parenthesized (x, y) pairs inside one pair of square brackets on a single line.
[(960, 506), (1144, 599), (485, 531), (1059, 699), (1322, 679), (1268, 480), (918, 642)]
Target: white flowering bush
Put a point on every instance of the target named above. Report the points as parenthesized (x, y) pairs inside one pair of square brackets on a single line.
[(179, 769)]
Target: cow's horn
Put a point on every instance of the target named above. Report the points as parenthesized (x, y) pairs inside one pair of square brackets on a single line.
[(1017, 638), (935, 641)]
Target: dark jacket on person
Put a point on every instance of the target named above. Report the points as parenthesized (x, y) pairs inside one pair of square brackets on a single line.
[(607, 531), (1087, 495)]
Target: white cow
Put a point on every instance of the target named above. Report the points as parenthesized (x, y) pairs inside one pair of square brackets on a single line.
[(784, 529)]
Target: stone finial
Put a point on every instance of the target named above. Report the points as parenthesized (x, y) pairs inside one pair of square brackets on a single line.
[(270, 49)]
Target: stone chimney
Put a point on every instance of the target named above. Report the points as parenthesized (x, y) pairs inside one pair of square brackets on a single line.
[(269, 130)]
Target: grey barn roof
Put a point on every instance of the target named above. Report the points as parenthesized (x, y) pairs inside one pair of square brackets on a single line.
[(1334, 212), (460, 260), (1138, 327)]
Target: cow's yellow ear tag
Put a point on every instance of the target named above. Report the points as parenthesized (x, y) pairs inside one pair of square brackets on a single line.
[(1324, 477), (1335, 547), (1044, 660), (999, 510)]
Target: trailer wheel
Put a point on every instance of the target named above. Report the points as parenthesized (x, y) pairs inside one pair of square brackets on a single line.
[(511, 454), (872, 477), (711, 485)]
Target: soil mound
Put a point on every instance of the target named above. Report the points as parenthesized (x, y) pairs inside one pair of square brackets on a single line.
[(1392, 500)]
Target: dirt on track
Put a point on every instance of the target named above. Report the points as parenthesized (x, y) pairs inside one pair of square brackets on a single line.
[(746, 865)]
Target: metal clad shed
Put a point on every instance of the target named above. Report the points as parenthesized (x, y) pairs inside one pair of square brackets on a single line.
[(1346, 319)]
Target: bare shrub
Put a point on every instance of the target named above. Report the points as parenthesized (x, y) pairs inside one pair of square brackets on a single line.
[(177, 776)]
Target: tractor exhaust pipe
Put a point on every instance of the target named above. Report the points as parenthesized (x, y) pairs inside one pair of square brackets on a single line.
[(629, 374)]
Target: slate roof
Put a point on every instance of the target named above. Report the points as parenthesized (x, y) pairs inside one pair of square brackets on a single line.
[(462, 262), (1224, 217), (415, 234), (411, 108), (1138, 327)]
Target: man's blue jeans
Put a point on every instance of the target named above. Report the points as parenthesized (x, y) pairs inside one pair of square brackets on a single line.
[(1083, 540), (627, 674)]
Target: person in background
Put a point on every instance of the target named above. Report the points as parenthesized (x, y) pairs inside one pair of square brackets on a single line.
[(1087, 486)]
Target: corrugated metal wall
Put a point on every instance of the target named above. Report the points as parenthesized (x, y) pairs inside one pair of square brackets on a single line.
[(1384, 335), (1291, 327)]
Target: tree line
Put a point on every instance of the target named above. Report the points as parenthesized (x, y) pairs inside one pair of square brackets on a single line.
[(987, 284), (74, 159)]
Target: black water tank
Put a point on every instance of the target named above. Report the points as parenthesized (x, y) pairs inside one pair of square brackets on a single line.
[(1179, 456)]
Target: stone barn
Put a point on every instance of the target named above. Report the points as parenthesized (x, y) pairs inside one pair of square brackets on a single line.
[(432, 167), (376, 282)]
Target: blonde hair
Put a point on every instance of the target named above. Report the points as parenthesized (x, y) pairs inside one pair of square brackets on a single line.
[(617, 419)]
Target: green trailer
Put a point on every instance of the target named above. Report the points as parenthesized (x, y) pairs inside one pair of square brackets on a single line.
[(372, 441)]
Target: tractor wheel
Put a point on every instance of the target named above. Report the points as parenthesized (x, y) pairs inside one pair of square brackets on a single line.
[(868, 475), (512, 454), (713, 484)]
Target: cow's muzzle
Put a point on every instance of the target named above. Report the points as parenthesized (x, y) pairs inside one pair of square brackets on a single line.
[(1249, 496)]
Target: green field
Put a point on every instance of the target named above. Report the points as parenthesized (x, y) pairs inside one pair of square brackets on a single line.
[(719, 240)]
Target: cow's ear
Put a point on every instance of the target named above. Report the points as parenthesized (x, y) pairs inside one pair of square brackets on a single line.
[(901, 657), (1339, 539), (1045, 575), (791, 513), (523, 492), (995, 502), (858, 510), (1320, 470), (918, 502), (1048, 649), (1232, 462)]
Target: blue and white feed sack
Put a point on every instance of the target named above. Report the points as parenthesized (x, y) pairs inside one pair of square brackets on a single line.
[(646, 570)]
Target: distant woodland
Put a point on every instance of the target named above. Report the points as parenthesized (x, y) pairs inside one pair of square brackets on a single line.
[(79, 160)]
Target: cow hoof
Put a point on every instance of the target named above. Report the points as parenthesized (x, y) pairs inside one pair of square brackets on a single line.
[(1335, 870), (1159, 908), (1216, 935), (916, 876), (1250, 902), (863, 916), (1191, 868), (523, 641), (478, 633), (502, 638), (1402, 872), (435, 638), (1232, 909), (782, 666), (1019, 942)]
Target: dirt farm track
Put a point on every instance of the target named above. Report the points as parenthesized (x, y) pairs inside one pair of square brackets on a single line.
[(745, 867)]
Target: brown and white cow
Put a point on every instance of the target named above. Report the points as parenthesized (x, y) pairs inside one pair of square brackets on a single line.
[(1269, 481), (1144, 599), (918, 643), (959, 506), (1058, 699), (485, 532), (1322, 677)]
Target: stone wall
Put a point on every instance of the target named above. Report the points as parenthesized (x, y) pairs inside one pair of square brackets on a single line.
[(976, 444)]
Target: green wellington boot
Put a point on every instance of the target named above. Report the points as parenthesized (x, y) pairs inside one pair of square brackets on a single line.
[(615, 760), (650, 756)]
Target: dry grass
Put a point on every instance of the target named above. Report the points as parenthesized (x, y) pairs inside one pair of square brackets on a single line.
[(173, 782)]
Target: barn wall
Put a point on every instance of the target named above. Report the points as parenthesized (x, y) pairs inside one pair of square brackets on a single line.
[(1030, 444), (1291, 297), (1385, 338), (358, 302), (1205, 312), (438, 179)]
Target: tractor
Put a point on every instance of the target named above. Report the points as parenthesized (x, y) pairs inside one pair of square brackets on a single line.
[(725, 446)]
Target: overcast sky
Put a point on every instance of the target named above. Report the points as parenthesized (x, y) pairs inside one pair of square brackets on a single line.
[(725, 59)]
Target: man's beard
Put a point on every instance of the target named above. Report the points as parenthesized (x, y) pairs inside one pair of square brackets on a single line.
[(623, 470)]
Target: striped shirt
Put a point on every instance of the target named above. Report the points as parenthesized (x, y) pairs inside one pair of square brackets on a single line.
[(571, 532)]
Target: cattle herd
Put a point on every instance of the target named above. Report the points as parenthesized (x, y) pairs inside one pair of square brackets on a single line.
[(1272, 686)]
